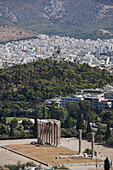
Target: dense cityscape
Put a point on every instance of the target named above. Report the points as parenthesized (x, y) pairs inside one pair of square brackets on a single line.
[(93, 52)]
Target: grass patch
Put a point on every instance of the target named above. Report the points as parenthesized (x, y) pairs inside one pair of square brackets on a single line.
[(9, 119)]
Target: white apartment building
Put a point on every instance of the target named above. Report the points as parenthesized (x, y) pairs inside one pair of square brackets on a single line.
[(73, 99), (109, 95), (104, 105), (98, 101), (61, 101)]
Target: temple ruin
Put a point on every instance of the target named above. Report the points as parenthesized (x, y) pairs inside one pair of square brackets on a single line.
[(48, 132), (92, 144)]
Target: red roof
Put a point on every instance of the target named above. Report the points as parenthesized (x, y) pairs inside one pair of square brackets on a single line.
[(106, 100)]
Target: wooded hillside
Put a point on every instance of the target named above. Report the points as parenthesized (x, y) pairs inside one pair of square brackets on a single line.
[(47, 79)]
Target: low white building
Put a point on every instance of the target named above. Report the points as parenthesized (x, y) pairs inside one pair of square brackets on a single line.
[(73, 99)]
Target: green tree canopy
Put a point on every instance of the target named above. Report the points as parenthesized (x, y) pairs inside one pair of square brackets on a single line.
[(106, 116), (3, 129)]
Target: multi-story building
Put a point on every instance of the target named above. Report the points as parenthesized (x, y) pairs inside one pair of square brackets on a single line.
[(73, 99), (104, 105), (95, 96)]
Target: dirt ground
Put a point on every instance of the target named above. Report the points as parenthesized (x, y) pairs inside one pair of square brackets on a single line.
[(48, 154)]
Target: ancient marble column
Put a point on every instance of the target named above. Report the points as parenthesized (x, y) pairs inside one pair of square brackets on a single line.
[(92, 146), (43, 137), (80, 141), (49, 133), (41, 131), (56, 134), (52, 134), (59, 133), (38, 137), (44, 133)]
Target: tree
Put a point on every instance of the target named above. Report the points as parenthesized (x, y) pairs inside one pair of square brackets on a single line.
[(60, 113), (13, 125), (15, 109), (37, 113), (108, 132), (106, 164), (109, 141), (24, 123), (79, 123), (88, 126), (89, 151), (14, 122), (3, 129), (106, 116), (52, 110), (72, 109), (100, 135), (29, 122), (3, 113), (86, 109), (70, 122), (70, 132), (44, 111)]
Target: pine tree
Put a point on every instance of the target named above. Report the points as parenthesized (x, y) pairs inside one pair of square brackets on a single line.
[(44, 111), (88, 126), (108, 132), (79, 123)]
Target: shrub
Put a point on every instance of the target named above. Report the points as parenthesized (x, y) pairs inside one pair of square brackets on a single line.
[(89, 152), (109, 142)]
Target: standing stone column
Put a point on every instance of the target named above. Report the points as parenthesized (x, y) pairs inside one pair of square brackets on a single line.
[(38, 137), (59, 134), (49, 133), (41, 133), (55, 134), (56, 138), (43, 139), (92, 146), (80, 141), (52, 133), (44, 133)]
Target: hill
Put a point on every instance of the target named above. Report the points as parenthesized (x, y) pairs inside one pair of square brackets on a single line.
[(35, 82), (9, 33), (72, 17)]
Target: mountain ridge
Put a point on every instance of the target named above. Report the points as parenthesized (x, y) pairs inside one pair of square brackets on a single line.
[(78, 18)]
